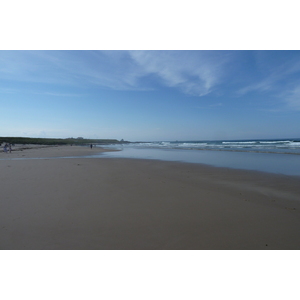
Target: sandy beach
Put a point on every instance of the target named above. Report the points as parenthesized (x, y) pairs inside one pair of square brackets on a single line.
[(115, 203)]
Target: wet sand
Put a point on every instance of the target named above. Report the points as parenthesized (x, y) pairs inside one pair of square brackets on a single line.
[(115, 203)]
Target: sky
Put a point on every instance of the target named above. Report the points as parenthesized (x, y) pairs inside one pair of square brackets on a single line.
[(150, 95)]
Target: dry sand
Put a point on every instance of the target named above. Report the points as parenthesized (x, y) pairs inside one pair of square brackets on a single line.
[(104, 203), (42, 151)]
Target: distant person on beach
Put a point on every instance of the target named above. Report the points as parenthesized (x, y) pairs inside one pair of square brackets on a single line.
[(9, 148), (5, 148), (91, 146)]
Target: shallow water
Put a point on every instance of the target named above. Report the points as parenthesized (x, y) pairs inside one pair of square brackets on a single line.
[(286, 164)]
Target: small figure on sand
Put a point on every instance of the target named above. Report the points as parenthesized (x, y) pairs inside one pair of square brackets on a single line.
[(6, 148), (91, 146)]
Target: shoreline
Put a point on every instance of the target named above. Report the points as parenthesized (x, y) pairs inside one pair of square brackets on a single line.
[(128, 204), (84, 152)]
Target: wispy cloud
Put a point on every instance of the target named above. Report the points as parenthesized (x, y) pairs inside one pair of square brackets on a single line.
[(263, 86), (26, 91), (271, 75), (34, 67), (196, 73), (108, 69), (292, 98), (59, 94), (192, 72), (211, 106), (216, 104), (7, 90)]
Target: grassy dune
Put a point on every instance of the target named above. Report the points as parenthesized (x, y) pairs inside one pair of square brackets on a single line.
[(49, 141)]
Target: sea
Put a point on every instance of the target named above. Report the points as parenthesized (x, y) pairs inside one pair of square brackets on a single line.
[(279, 156)]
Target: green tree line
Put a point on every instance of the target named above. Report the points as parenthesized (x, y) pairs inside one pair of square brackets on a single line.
[(49, 141)]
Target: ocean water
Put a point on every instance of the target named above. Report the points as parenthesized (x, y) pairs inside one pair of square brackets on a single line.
[(280, 156), (286, 146)]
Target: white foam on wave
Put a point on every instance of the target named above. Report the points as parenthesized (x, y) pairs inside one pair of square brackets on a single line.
[(192, 145), (295, 144), (273, 142), (251, 145), (252, 142)]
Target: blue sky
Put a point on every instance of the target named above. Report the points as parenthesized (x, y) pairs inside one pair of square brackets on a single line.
[(150, 95)]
